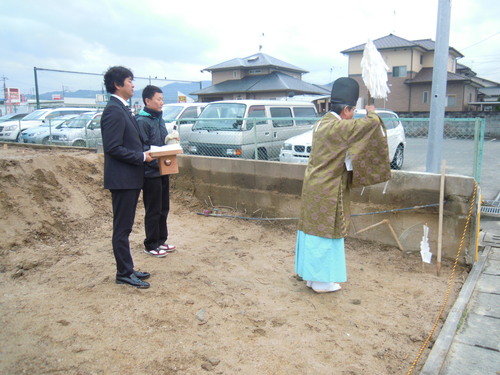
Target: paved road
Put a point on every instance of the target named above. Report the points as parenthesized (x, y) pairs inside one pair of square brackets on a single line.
[(459, 156)]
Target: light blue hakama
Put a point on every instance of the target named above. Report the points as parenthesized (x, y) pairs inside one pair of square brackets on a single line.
[(320, 259)]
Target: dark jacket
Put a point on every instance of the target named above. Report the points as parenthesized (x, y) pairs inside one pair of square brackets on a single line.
[(154, 131), (123, 150)]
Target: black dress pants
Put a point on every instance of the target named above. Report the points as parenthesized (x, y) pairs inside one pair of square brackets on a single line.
[(124, 206), (156, 191)]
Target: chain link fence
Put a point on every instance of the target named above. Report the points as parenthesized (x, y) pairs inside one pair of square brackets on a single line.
[(57, 89), (461, 146), (251, 136)]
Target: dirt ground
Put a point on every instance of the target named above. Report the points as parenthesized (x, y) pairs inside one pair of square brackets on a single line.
[(227, 302)]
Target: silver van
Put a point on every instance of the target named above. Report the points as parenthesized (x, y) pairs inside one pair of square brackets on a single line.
[(249, 129)]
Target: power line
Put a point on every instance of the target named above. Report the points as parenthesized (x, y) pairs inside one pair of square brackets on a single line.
[(475, 44), (101, 74)]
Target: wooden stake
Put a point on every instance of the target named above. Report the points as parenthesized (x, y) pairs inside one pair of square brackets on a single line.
[(394, 235), (440, 224), (385, 221)]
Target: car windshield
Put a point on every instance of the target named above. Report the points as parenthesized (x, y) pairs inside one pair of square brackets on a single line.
[(210, 118), (10, 117), (171, 112), (35, 115), (78, 122)]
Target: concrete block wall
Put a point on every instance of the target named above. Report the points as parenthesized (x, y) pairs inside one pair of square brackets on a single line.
[(273, 189)]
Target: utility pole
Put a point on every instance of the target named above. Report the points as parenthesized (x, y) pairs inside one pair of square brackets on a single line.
[(438, 90), (4, 87), (4, 94)]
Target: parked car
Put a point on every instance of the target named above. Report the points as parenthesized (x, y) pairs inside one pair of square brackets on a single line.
[(173, 113), (12, 116), (249, 128), (40, 134), (298, 148), (81, 131), (11, 130)]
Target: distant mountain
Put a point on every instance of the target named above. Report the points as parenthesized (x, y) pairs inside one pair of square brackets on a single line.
[(170, 92)]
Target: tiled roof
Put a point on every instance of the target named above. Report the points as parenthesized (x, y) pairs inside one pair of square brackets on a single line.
[(394, 42), (427, 44), (258, 60), (270, 82), (425, 76), (390, 41)]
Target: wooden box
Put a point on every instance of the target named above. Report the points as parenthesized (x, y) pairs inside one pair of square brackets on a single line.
[(167, 160)]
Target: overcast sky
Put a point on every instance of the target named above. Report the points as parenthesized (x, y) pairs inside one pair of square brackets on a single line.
[(177, 39)]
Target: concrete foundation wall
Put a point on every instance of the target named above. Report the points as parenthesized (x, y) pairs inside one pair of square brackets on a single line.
[(272, 190)]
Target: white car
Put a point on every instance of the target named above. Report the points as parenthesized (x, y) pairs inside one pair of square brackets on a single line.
[(11, 130), (81, 131), (41, 134), (298, 148), (173, 113)]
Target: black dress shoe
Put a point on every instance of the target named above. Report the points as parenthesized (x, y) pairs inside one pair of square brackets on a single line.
[(142, 275), (132, 280)]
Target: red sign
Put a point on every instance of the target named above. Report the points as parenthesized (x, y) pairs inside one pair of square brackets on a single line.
[(12, 95)]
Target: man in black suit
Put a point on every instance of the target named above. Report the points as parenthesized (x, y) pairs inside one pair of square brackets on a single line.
[(123, 169)]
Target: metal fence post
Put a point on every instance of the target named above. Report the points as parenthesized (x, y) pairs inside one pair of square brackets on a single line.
[(255, 138), (478, 148), (36, 89)]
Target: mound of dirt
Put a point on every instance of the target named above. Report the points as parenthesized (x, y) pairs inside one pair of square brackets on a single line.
[(226, 302)]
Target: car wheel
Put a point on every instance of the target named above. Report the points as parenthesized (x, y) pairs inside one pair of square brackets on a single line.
[(79, 144), (397, 161), (262, 154)]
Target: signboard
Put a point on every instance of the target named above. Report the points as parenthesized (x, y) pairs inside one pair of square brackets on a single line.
[(57, 97), (181, 99), (12, 95)]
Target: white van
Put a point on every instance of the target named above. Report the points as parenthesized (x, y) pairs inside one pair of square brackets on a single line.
[(174, 113), (298, 148), (11, 130), (249, 128)]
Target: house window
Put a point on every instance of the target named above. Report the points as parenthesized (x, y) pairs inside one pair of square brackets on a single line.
[(255, 71), (399, 71), (451, 101), (235, 74), (421, 59), (425, 97)]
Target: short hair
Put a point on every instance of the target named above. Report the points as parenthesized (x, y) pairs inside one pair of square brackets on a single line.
[(338, 108), (150, 91), (116, 75)]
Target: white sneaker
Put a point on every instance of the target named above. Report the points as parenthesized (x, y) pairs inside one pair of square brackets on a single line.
[(167, 248), (320, 287), (309, 283), (158, 253)]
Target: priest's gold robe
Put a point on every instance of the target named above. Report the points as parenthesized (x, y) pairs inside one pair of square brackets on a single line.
[(325, 209)]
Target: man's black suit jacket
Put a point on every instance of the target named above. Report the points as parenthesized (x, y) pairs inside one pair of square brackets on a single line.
[(123, 150)]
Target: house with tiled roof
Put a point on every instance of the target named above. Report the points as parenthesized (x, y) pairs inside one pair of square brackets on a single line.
[(258, 76), (410, 75)]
